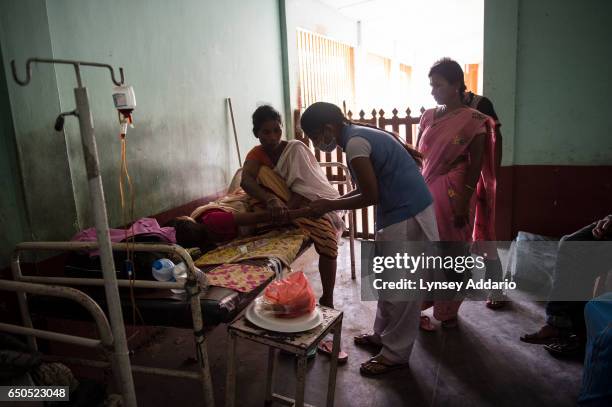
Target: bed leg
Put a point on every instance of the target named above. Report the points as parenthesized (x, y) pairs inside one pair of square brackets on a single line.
[(193, 292), (209, 397), (113, 369)]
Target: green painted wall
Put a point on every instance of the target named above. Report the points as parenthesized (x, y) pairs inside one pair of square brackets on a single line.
[(13, 218), (43, 163), (183, 59), (499, 54), (547, 68)]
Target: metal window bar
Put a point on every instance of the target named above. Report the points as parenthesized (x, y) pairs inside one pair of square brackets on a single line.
[(326, 69)]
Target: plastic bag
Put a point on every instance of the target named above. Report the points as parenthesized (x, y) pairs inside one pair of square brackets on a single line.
[(532, 263), (290, 297)]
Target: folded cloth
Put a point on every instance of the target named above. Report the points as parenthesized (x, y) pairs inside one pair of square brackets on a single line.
[(302, 174), (240, 277), (142, 227), (282, 244)]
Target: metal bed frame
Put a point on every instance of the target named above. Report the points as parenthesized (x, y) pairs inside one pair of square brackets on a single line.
[(53, 286), (23, 285)]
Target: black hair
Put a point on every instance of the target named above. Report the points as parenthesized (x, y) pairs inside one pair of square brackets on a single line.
[(189, 233), (263, 114), (450, 70), (319, 114)]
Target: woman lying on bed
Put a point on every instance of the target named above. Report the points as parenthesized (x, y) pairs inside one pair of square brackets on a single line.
[(301, 173), (221, 221)]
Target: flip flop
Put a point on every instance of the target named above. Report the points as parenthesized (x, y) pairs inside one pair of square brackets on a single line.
[(326, 347), (563, 348), (375, 367), (538, 338), (365, 340), (425, 324)]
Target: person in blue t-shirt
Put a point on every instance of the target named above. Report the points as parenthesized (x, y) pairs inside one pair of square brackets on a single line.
[(387, 175)]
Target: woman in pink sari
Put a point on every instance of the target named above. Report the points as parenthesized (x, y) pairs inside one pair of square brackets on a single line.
[(458, 145)]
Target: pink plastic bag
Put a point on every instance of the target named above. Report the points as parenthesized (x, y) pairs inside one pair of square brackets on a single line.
[(290, 297)]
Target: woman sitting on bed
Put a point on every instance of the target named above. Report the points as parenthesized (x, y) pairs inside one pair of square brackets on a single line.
[(298, 167)]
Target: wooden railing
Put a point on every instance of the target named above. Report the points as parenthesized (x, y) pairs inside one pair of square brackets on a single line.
[(405, 127)]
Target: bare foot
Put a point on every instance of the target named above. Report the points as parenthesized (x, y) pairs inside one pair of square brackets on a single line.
[(326, 302)]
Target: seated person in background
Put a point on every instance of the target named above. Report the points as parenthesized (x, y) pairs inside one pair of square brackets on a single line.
[(299, 169), (576, 269)]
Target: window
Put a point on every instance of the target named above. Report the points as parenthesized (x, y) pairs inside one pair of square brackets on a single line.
[(326, 70)]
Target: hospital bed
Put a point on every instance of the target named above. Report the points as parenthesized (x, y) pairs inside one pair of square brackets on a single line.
[(201, 308)]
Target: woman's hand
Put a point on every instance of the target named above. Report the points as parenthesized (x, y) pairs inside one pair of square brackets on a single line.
[(320, 207), (278, 209), (462, 212), (297, 201)]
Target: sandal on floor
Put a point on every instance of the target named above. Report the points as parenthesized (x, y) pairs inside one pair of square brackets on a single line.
[(326, 348), (366, 340), (375, 367), (564, 348), (425, 324), (541, 337), (495, 304)]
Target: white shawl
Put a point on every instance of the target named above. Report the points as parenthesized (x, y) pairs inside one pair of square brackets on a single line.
[(299, 168)]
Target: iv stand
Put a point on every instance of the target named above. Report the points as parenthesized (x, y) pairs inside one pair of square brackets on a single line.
[(120, 358)]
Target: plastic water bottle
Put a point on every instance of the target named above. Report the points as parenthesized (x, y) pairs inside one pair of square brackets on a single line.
[(166, 270), (180, 273), (162, 270)]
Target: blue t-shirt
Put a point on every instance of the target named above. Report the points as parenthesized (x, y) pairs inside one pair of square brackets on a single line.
[(402, 191)]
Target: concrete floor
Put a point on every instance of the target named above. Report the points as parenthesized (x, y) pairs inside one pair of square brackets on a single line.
[(482, 363)]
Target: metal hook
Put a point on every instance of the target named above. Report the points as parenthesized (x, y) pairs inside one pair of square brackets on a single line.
[(113, 76), (76, 65), (28, 73)]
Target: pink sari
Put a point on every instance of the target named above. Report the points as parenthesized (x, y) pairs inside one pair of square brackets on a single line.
[(444, 143)]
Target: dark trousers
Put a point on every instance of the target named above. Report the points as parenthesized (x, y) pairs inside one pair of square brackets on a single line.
[(576, 268)]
